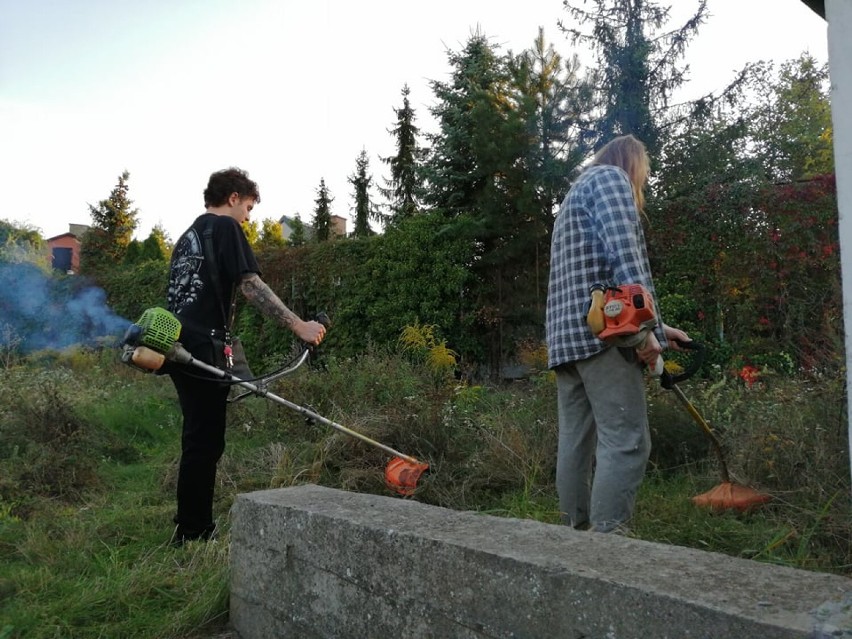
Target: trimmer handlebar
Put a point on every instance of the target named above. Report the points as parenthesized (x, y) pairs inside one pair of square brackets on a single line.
[(667, 380), (152, 340)]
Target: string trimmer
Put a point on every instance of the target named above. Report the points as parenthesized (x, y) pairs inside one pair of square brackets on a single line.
[(624, 316), (728, 495), (152, 341)]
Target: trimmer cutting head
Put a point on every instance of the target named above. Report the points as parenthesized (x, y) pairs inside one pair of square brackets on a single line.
[(730, 496), (401, 475)]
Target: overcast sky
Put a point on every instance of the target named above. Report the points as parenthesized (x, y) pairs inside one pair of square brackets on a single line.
[(291, 91)]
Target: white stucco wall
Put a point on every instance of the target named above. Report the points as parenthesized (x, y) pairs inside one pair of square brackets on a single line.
[(838, 13)]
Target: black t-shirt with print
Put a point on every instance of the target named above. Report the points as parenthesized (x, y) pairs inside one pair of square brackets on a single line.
[(190, 295)]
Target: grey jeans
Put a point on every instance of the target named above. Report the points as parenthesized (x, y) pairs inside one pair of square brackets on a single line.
[(604, 440)]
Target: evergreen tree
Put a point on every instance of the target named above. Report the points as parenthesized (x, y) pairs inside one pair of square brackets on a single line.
[(133, 254), (113, 223), (160, 237), (404, 187), (322, 213), (153, 249), (298, 237), (460, 169), (556, 103), (365, 210), (484, 174), (637, 64)]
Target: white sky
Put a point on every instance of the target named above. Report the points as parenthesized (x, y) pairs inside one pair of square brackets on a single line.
[(290, 90)]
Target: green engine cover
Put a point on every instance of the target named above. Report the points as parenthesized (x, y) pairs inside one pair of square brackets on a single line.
[(160, 329)]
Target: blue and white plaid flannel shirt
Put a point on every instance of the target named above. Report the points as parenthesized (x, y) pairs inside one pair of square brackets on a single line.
[(597, 239)]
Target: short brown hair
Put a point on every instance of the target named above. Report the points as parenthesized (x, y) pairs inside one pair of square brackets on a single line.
[(223, 183)]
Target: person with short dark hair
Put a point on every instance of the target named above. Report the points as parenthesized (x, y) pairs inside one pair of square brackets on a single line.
[(604, 440), (210, 262)]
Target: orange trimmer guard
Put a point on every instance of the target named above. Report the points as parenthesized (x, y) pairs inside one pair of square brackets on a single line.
[(730, 496), (401, 475)]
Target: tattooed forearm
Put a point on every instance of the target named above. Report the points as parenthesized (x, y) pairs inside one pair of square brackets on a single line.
[(263, 298)]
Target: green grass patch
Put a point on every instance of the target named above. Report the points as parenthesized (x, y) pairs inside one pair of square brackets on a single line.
[(104, 568), (89, 452)]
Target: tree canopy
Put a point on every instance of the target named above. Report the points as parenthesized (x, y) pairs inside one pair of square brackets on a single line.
[(638, 62)]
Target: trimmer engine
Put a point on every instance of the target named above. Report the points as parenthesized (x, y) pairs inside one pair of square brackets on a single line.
[(621, 315), (152, 340)]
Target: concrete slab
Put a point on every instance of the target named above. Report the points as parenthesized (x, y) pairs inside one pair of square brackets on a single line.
[(317, 562)]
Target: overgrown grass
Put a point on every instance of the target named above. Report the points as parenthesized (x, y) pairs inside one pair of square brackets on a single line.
[(89, 450)]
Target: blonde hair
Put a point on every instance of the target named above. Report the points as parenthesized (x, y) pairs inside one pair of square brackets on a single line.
[(629, 154)]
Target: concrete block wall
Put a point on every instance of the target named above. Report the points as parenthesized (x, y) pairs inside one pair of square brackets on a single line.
[(310, 562)]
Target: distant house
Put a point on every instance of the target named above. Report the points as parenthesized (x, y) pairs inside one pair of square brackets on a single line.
[(65, 249), (338, 227)]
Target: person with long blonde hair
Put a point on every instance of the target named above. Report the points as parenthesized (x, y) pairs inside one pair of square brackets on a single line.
[(629, 154), (604, 439)]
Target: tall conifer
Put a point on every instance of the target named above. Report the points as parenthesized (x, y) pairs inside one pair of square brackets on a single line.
[(322, 213), (405, 185)]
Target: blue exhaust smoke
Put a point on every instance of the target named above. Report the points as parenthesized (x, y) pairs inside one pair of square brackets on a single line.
[(40, 312)]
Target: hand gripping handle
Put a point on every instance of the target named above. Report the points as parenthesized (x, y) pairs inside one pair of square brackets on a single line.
[(322, 318), (667, 380)]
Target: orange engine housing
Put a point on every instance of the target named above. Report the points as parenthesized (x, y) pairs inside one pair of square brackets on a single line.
[(627, 310)]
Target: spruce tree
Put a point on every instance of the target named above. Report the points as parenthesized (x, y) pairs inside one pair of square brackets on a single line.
[(322, 213), (365, 210), (153, 248), (637, 62), (113, 223), (160, 237), (470, 108), (405, 185), (156, 247), (133, 254), (298, 237)]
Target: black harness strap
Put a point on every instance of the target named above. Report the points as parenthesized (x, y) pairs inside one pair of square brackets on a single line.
[(213, 268)]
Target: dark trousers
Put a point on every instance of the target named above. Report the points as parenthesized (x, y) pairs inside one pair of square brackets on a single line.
[(204, 404)]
